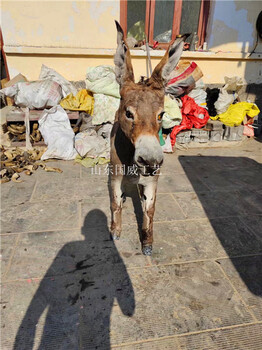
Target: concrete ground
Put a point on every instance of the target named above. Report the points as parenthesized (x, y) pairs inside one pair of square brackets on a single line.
[(66, 285)]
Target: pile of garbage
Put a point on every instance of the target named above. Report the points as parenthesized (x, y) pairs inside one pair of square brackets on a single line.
[(192, 112), (207, 114)]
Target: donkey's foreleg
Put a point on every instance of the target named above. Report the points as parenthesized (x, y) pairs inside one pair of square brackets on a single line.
[(148, 205), (116, 206)]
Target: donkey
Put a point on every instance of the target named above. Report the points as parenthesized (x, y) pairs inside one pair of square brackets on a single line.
[(134, 137)]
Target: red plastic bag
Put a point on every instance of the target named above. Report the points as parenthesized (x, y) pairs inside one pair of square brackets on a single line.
[(192, 116)]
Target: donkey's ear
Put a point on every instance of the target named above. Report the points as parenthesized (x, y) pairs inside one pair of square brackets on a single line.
[(162, 71), (123, 69)]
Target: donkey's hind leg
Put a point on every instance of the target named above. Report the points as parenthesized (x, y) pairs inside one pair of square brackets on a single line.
[(116, 206), (148, 204)]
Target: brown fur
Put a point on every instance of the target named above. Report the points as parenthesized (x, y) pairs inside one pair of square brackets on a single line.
[(145, 102)]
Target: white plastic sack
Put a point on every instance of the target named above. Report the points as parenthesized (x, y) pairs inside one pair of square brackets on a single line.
[(102, 80), (105, 108), (228, 93), (35, 94), (233, 84), (167, 147), (105, 131), (58, 135), (224, 101), (89, 144), (51, 74), (199, 94)]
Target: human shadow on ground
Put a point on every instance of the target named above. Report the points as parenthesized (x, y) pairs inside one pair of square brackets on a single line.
[(78, 292), (232, 203)]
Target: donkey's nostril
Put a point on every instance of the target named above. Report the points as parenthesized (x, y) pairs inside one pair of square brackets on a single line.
[(147, 163), (141, 161)]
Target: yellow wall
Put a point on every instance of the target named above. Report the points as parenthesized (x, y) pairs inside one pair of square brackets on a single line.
[(74, 67), (69, 36), (86, 24)]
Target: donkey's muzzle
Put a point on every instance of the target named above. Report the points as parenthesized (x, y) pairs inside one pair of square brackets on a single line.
[(148, 154)]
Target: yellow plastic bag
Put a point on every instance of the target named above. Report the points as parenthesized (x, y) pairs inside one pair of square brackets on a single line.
[(83, 101), (236, 113)]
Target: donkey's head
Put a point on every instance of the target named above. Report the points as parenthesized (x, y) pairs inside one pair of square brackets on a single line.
[(142, 104)]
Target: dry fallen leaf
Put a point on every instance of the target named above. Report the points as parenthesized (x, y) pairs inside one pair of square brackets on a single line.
[(29, 167), (16, 176), (9, 155), (49, 168), (3, 172), (4, 179), (8, 163), (16, 160)]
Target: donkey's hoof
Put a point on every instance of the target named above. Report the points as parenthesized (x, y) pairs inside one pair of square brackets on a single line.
[(115, 237), (147, 250)]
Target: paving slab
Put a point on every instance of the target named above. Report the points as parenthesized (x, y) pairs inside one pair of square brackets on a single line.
[(179, 183), (216, 204), (69, 311), (166, 209), (39, 216), (185, 241), (69, 286), (179, 299), (139, 304), (165, 344), (211, 161), (190, 204), (254, 223), (42, 253), (235, 237), (171, 165), (69, 168), (7, 247), (203, 239), (52, 253), (17, 193), (66, 189), (239, 338), (245, 273)]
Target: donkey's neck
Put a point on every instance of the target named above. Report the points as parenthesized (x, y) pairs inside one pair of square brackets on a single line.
[(125, 150)]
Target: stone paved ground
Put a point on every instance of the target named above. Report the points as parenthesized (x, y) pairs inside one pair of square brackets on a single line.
[(66, 285)]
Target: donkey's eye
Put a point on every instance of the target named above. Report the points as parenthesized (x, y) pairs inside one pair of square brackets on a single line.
[(160, 116), (129, 115)]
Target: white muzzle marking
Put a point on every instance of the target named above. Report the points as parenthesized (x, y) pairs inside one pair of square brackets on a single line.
[(148, 151)]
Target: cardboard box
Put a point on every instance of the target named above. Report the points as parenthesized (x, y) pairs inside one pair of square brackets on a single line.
[(5, 83), (9, 100), (17, 79)]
